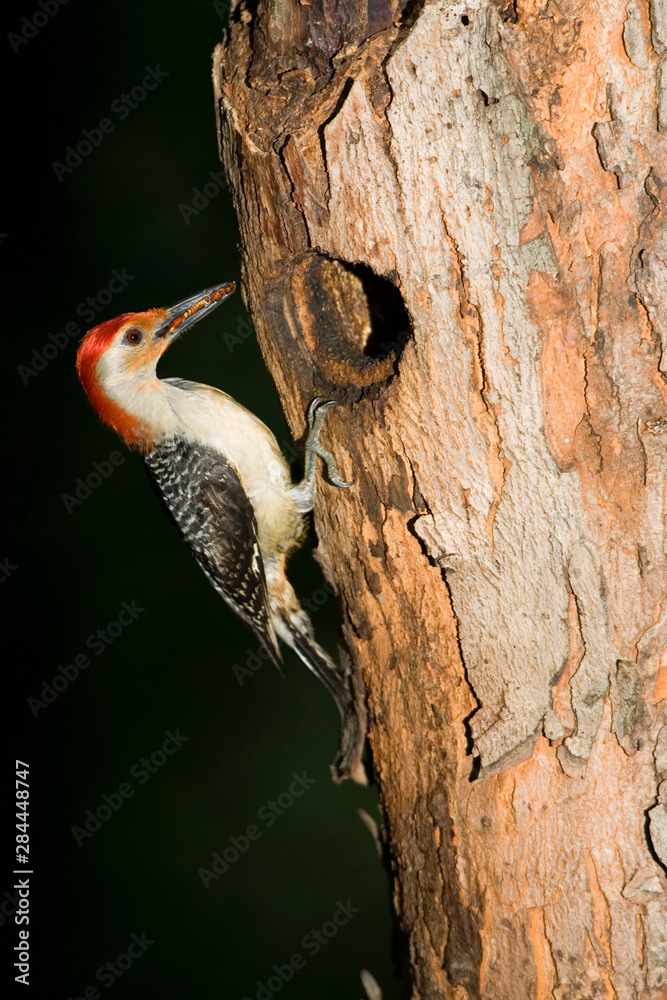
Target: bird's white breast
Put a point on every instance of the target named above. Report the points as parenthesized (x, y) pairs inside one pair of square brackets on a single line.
[(210, 418)]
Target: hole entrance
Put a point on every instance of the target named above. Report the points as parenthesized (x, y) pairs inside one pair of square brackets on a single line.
[(390, 327)]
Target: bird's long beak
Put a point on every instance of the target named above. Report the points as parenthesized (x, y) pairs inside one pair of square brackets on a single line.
[(188, 312)]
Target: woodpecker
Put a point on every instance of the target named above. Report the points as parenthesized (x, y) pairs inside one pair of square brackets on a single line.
[(219, 471)]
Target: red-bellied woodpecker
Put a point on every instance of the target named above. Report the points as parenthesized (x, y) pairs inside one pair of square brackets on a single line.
[(218, 469)]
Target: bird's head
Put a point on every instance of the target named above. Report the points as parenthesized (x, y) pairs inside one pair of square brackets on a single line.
[(117, 360)]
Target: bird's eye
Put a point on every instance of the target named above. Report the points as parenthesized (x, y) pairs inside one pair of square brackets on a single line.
[(134, 336)]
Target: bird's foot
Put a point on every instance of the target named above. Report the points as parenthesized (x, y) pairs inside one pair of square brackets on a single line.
[(316, 414), (306, 490)]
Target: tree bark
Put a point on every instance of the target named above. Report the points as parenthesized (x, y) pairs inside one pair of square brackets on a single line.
[(452, 219)]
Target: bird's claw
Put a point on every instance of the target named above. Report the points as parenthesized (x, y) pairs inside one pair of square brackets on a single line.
[(339, 482), (320, 405)]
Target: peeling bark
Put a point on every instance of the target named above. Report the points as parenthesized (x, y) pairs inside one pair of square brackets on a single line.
[(453, 220)]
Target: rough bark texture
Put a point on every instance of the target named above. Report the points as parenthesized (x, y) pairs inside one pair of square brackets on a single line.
[(453, 219)]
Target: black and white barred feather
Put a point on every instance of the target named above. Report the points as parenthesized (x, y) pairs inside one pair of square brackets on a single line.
[(205, 498)]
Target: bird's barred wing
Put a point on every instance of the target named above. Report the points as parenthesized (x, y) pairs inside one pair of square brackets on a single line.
[(232, 560), (206, 499)]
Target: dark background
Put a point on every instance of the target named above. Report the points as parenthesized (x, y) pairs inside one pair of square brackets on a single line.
[(67, 572)]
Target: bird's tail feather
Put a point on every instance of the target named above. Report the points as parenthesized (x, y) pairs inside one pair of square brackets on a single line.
[(297, 632), (318, 662)]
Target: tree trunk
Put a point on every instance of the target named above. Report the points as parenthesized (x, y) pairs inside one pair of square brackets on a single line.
[(453, 220)]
